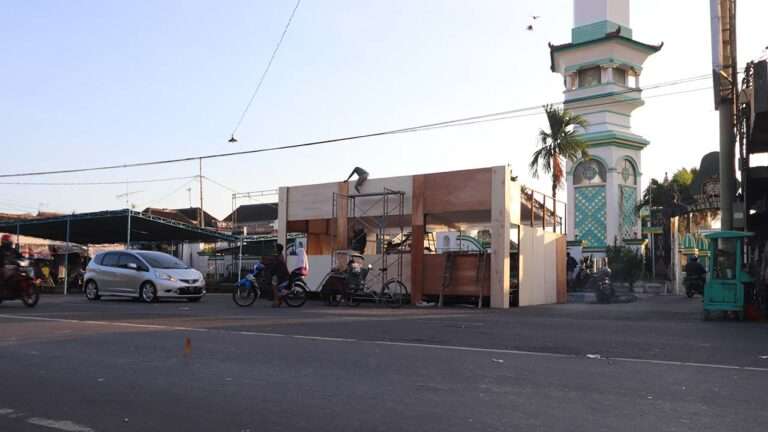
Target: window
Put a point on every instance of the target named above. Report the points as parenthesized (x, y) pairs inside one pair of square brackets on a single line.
[(633, 79), (126, 259), (628, 173), (109, 260), (725, 259), (590, 77), (620, 76), (162, 261), (589, 172)]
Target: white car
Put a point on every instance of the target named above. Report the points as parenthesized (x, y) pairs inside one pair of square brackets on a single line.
[(145, 275)]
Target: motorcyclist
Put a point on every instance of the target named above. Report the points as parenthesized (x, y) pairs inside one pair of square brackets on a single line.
[(278, 274), (694, 269), (8, 257)]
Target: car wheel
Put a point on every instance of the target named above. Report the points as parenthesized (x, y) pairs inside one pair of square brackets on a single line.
[(148, 292), (92, 290)]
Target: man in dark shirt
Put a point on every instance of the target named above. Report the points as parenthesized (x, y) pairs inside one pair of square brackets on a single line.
[(8, 257), (277, 271), (694, 268), (571, 265)]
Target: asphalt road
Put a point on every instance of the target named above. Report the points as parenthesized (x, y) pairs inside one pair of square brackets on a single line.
[(114, 365)]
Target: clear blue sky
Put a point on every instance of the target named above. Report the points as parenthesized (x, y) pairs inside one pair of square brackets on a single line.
[(100, 82)]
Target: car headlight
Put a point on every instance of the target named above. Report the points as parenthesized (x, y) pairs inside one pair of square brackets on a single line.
[(164, 276)]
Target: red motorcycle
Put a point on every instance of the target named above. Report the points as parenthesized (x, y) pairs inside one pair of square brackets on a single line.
[(20, 285)]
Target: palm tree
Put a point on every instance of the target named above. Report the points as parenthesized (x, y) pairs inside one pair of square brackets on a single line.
[(561, 141)]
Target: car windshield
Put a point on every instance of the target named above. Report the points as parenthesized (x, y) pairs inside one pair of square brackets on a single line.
[(162, 261)]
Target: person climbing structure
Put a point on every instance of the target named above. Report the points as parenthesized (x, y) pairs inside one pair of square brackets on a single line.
[(362, 176)]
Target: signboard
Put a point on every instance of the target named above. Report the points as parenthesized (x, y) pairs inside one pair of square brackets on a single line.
[(656, 222)]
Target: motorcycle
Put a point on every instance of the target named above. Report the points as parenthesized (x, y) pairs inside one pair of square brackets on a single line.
[(601, 284), (20, 285), (248, 289), (694, 285)]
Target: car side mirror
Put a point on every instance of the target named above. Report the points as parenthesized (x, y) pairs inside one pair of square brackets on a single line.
[(132, 266)]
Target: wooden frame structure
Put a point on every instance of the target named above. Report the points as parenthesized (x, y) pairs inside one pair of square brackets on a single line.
[(449, 200)]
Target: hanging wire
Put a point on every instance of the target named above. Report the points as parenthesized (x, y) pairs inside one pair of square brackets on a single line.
[(232, 138)]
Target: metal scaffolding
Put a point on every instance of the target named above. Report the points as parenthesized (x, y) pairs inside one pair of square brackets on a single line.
[(382, 213)]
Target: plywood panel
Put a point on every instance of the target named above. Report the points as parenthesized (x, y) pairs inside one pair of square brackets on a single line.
[(319, 226), (373, 206), (500, 218), (457, 191), (315, 201), (297, 226), (464, 279), (562, 288), (311, 201), (417, 233), (319, 244), (341, 223), (538, 266)]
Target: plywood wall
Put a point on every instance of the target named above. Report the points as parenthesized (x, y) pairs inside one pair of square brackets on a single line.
[(539, 266), (316, 201), (457, 191)]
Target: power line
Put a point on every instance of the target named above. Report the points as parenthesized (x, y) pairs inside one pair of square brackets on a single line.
[(173, 192), (266, 69), (424, 127), (219, 184), (95, 183), (531, 114)]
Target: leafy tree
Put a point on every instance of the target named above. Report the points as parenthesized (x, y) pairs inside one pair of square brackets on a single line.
[(670, 194), (556, 144)]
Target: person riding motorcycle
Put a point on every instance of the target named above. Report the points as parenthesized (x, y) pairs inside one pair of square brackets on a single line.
[(278, 273), (694, 276), (694, 268), (8, 257)]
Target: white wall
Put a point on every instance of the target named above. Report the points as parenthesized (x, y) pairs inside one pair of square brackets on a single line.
[(538, 266)]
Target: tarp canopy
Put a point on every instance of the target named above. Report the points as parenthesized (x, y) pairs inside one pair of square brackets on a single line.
[(112, 227)]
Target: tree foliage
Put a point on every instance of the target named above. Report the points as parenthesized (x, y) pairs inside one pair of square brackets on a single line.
[(670, 194), (558, 143)]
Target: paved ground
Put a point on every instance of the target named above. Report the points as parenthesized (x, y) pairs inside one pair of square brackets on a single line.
[(122, 366)]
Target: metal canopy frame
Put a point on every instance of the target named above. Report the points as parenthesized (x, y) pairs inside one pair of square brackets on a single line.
[(112, 226)]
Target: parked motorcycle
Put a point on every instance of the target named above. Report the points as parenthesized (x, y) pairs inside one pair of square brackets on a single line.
[(601, 284), (694, 285), (20, 285)]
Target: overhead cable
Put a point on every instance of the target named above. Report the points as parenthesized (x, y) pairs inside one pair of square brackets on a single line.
[(418, 128)]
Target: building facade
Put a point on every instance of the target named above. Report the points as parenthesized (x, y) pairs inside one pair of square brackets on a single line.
[(601, 69)]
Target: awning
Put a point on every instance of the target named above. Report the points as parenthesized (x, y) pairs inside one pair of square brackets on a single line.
[(112, 227)]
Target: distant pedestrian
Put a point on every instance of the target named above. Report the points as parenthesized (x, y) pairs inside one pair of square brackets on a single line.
[(571, 265)]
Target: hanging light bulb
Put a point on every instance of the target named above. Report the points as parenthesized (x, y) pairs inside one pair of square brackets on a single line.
[(232, 139)]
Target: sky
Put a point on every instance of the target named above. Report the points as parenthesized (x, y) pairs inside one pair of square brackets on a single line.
[(89, 83)]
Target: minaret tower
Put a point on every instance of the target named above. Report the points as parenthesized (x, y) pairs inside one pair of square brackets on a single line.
[(601, 67)]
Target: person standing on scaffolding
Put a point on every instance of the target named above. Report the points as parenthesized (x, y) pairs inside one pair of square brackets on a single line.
[(362, 176)]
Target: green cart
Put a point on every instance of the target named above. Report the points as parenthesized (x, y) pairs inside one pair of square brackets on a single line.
[(724, 290)]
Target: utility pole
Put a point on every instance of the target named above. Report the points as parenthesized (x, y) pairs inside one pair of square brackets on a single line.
[(201, 217), (725, 76)]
